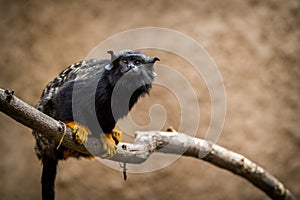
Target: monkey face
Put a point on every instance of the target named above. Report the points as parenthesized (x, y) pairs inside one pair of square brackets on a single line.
[(134, 68), (130, 75), (131, 63)]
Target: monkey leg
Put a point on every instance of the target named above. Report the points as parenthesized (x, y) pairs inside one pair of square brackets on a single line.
[(109, 143)]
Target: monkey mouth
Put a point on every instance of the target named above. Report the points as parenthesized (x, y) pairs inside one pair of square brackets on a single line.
[(127, 69)]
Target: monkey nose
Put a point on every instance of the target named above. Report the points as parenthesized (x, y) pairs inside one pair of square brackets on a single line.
[(127, 68), (132, 67)]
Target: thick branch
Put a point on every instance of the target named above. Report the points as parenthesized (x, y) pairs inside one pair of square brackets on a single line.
[(147, 143)]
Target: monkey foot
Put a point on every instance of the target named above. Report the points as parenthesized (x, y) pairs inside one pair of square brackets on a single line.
[(80, 132), (109, 143)]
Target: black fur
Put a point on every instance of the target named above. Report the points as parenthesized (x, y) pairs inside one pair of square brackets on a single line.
[(85, 91)]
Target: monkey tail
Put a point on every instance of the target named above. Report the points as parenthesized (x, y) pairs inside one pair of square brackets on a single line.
[(48, 178)]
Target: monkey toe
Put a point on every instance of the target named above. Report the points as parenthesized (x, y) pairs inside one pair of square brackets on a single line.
[(80, 132), (109, 145), (116, 136)]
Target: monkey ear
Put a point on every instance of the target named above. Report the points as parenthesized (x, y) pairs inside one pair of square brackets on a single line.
[(113, 55), (153, 60), (109, 66)]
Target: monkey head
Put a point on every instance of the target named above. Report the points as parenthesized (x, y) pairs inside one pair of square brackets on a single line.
[(130, 74), (135, 67)]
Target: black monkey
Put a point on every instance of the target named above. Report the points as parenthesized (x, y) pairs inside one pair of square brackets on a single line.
[(101, 89)]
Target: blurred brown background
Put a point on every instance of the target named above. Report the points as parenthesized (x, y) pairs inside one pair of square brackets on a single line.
[(255, 45)]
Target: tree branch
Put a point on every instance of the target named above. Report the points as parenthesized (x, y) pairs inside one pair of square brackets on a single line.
[(147, 143)]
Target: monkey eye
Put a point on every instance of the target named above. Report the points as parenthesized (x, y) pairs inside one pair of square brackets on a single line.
[(124, 61), (137, 62)]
